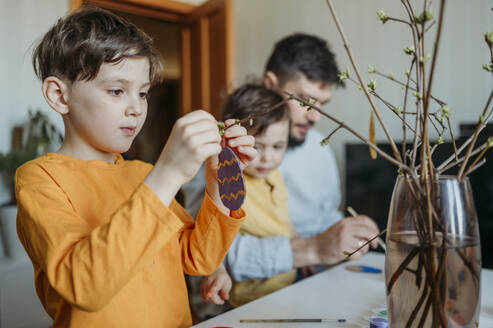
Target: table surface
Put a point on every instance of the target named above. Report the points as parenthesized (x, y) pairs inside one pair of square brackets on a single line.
[(334, 293)]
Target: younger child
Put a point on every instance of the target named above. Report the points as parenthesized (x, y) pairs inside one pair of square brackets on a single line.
[(108, 242), (266, 204)]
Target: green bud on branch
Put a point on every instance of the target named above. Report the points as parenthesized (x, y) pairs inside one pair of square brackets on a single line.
[(371, 69), (425, 58), (324, 142), (445, 111), (221, 126), (382, 16), (488, 37), (344, 75), (490, 142), (409, 50), (372, 85), (424, 17)]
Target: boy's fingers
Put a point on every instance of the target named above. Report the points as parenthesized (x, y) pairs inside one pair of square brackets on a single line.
[(216, 300), (200, 127), (247, 153), (235, 131), (208, 137), (214, 288), (229, 121), (224, 294), (242, 141), (208, 150), (195, 116)]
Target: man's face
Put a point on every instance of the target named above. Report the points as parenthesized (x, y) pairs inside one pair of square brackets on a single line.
[(301, 119)]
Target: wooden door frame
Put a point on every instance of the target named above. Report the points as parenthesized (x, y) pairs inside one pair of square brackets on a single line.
[(162, 9)]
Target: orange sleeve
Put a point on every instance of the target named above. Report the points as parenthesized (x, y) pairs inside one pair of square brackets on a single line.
[(206, 242), (87, 266)]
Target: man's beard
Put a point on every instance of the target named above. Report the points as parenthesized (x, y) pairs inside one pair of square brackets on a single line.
[(295, 142)]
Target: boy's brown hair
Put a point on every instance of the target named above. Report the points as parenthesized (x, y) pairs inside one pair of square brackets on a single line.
[(250, 99), (78, 44)]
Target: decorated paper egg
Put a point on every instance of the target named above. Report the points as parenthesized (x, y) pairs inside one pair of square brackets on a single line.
[(230, 180)]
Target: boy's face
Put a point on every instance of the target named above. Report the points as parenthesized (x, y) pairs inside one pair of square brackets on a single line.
[(271, 146), (301, 119), (106, 113)]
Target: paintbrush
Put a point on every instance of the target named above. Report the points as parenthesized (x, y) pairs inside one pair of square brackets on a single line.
[(379, 240)]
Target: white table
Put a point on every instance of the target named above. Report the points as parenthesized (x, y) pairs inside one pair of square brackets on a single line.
[(334, 293)]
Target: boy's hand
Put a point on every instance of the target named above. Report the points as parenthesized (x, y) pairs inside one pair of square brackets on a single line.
[(215, 288), (194, 138), (240, 142)]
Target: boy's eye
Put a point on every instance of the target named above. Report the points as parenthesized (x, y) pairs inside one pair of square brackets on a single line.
[(115, 92)]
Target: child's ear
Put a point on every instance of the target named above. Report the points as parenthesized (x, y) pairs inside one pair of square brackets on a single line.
[(55, 92), (271, 81)]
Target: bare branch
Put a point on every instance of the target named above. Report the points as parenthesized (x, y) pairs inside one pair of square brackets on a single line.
[(372, 104), (482, 122)]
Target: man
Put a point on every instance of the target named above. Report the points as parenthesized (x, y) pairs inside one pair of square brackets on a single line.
[(303, 65)]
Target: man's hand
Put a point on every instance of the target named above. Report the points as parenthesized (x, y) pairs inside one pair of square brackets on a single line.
[(347, 235), (215, 288)]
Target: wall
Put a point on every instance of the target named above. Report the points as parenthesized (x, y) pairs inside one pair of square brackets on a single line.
[(459, 79), (21, 24)]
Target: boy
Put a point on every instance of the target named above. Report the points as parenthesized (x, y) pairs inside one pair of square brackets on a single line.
[(108, 242), (266, 206)]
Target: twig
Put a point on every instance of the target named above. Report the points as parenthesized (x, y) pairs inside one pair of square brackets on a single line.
[(356, 134), (475, 136), (379, 240), (475, 167), (401, 267), (453, 139), (438, 101), (257, 114), (372, 104), (442, 169), (348, 255)]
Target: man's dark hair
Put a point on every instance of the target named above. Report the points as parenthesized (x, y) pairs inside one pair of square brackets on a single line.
[(78, 44), (250, 99), (306, 54)]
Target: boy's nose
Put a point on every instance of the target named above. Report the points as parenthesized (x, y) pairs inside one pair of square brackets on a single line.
[(266, 155), (134, 108)]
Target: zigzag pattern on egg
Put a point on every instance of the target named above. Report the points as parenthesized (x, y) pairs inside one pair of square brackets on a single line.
[(230, 180), (231, 196), (226, 163)]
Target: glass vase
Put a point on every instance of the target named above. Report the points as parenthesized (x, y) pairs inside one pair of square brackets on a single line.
[(433, 258)]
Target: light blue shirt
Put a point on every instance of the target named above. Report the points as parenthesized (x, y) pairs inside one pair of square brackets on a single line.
[(312, 179)]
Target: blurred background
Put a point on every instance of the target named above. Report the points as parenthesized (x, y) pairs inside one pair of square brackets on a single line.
[(209, 47)]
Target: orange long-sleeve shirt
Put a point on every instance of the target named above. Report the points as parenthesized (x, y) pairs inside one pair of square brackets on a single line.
[(106, 251)]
